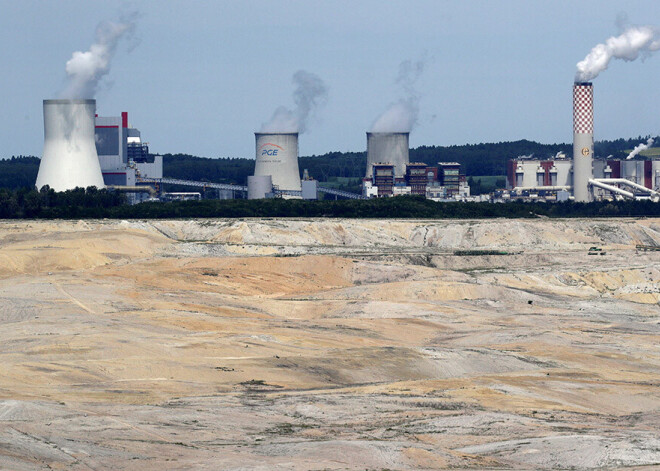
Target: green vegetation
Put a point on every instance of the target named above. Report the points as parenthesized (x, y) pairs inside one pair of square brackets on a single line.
[(93, 203), (353, 185), (620, 148), (49, 204), (19, 172), (484, 184), (652, 152)]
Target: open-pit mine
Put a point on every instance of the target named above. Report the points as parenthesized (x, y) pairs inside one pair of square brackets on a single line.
[(329, 344)]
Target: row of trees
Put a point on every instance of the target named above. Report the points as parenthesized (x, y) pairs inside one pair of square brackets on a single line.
[(47, 203), (93, 203)]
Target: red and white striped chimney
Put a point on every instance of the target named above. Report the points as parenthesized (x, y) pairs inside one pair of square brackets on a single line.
[(583, 140)]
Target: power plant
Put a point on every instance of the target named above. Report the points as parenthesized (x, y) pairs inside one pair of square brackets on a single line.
[(82, 149), (588, 179), (69, 159)]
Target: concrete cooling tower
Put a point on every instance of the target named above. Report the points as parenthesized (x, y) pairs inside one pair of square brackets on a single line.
[(583, 139), (277, 156), (387, 147), (69, 159)]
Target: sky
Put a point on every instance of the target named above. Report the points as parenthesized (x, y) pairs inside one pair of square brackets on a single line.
[(200, 77)]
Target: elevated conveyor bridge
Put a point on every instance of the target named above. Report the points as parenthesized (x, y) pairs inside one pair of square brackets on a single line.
[(243, 188)]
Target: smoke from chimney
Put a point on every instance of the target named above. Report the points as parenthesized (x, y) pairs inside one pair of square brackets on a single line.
[(401, 116), (639, 148), (309, 94), (86, 69), (627, 46)]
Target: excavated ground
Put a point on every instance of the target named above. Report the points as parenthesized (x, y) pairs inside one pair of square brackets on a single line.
[(329, 344)]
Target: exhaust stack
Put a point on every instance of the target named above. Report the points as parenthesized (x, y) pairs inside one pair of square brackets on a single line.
[(583, 140), (69, 159)]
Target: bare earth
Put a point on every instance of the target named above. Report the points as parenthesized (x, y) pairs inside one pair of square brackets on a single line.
[(329, 344)]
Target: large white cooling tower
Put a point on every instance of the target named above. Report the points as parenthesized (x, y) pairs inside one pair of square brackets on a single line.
[(277, 156), (69, 159), (583, 140), (388, 147)]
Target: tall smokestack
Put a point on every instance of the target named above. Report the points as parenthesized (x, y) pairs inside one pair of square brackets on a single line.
[(277, 156), (69, 159), (583, 140), (388, 147)]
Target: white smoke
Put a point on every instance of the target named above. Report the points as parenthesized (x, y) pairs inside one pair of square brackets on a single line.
[(627, 46), (309, 94), (401, 116), (639, 148), (86, 69)]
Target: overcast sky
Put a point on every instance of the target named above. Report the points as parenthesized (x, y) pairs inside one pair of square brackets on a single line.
[(202, 76)]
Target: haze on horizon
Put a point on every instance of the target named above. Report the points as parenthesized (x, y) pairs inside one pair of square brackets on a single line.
[(202, 80)]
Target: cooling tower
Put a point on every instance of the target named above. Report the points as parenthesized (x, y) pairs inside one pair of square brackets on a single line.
[(259, 186), (69, 159), (583, 140), (277, 156), (387, 147)]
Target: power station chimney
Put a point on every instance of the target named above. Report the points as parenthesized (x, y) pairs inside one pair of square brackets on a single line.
[(583, 140), (388, 147), (277, 156), (69, 159)]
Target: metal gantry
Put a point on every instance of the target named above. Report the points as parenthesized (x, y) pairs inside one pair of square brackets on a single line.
[(344, 194), (176, 181), (226, 186)]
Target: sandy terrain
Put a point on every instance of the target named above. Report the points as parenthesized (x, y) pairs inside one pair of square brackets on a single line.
[(329, 344)]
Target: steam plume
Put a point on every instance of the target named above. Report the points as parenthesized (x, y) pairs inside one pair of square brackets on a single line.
[(86, 69), (401, 116), (309, 94), (639, 148), (627, 46)]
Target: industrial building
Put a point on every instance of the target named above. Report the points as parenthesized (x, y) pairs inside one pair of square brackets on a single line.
[(123, 156), (586, 178), (389, 171), (553, 175), (83, 149), (443, 182)]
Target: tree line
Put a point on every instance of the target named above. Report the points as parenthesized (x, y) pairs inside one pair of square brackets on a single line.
[(92, 203)]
